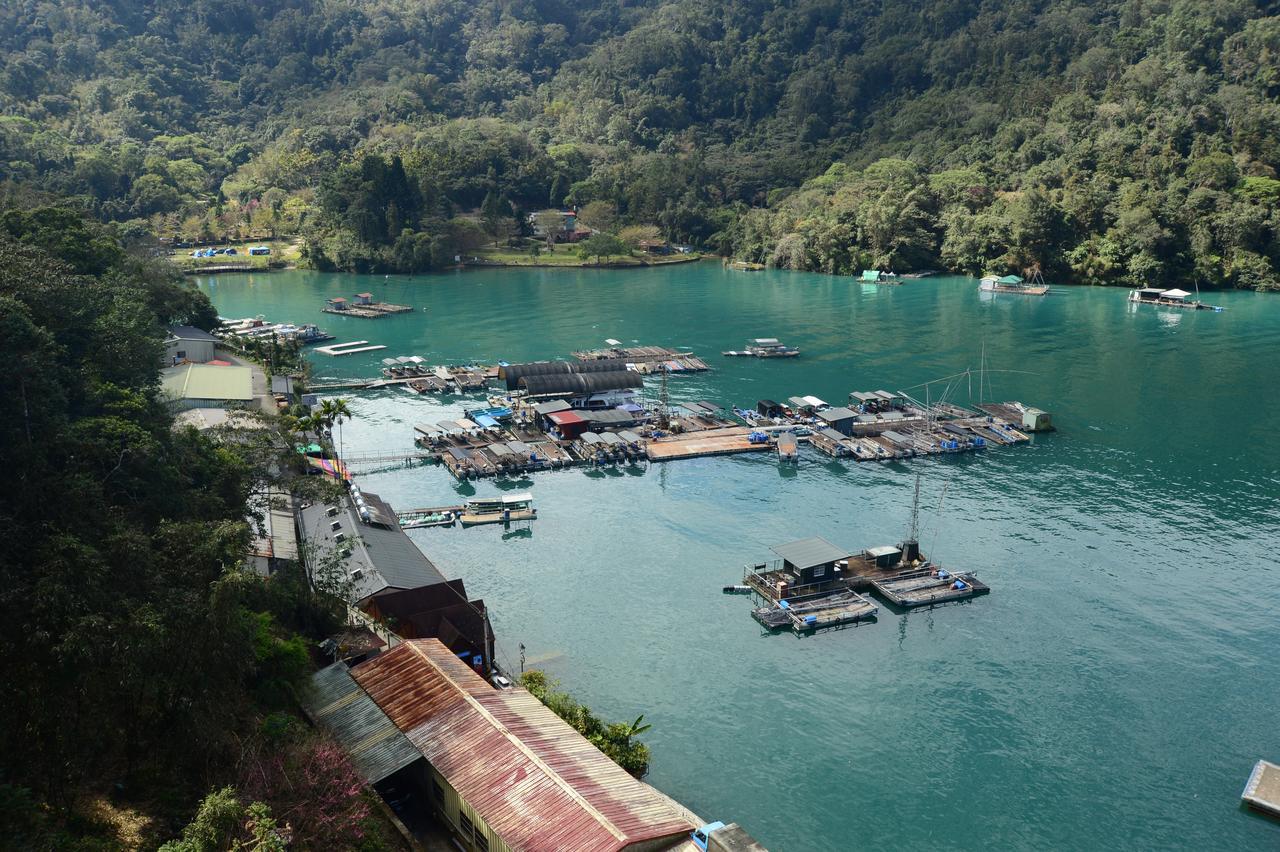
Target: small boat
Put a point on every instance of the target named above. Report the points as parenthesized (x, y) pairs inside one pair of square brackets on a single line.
[(1014, 284), (763, 347), (736, 589), (498, 510), (431, 519)]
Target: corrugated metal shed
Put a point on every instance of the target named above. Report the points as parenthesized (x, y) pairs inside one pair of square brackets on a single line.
[(809, 552), (581, 383), (537, 783), (551, 407), (834, 415), (375, 745)]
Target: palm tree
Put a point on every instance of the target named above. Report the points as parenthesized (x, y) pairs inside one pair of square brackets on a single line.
[(336, 411)]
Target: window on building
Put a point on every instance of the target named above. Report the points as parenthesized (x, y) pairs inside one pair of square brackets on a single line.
[(332, 511), (437, 792), (340, 537), (482, 842), (464, 822), (819, 571), (335, 526)]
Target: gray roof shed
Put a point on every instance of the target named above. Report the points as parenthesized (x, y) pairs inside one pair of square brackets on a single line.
[(809, 552)]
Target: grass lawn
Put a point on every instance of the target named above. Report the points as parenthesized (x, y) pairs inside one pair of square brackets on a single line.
[(568, 256), (283, 252)]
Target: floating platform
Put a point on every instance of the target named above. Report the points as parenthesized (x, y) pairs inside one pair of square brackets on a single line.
[(702, 444), (368, 310), (925, 588), (352, 348), (470, 519), (1262, 792), (646, 359)]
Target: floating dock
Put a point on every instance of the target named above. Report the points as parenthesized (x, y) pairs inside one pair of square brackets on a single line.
[(646, 359), (352, 348), (709, 443), (364, 307), (1262, 792)]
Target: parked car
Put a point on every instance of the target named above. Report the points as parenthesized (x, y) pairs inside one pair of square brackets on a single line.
[(500, 682)]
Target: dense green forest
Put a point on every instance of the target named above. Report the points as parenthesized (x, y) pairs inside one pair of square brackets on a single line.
[(143, 664), (1107, 141)]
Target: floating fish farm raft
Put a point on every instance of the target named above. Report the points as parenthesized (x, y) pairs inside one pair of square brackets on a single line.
[(813, 584)]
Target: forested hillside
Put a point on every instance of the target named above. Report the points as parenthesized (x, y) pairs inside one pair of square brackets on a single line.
[(1110, 141)]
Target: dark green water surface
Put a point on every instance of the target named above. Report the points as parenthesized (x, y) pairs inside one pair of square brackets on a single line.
[(1113, 691)]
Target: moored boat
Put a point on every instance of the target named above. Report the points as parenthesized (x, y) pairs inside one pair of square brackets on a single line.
[(1174, 298)]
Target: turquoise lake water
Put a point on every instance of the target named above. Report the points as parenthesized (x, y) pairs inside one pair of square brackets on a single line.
[(1114, 689)]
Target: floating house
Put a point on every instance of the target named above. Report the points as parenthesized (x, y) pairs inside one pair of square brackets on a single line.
[(498, 768), (337, 303), (839, 419), (769, 408), (569, 425), (364, 298)]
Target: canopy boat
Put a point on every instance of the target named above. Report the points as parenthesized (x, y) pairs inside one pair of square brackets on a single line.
[(1014, 284), (498, 510), (1169, 299), (764, 347)]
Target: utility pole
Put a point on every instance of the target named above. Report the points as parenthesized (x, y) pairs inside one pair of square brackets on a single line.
[(664, 401)]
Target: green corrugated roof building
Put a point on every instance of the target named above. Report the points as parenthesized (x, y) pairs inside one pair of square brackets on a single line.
[(192, 382)]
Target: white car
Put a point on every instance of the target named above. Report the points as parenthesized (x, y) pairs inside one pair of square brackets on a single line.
[(500, 682)]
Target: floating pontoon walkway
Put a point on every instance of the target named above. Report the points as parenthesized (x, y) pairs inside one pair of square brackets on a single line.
[(351, 348), (1262, 792)]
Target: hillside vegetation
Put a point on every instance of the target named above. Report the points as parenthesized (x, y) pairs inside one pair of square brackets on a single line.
[(1110, 141)]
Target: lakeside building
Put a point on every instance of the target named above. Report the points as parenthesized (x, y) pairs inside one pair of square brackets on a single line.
[(186, 343), (358, 543), (567, 228), (207, 385), (498, 768)]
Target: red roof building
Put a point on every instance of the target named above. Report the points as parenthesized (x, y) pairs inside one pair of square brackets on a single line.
[(505, 771), (570, 424)]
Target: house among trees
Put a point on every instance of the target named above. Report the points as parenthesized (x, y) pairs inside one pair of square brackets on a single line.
[(562, 226), (655, 247)]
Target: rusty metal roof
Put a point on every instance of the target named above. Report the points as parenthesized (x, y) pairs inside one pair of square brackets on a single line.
[(375, 746), (536, 782)]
